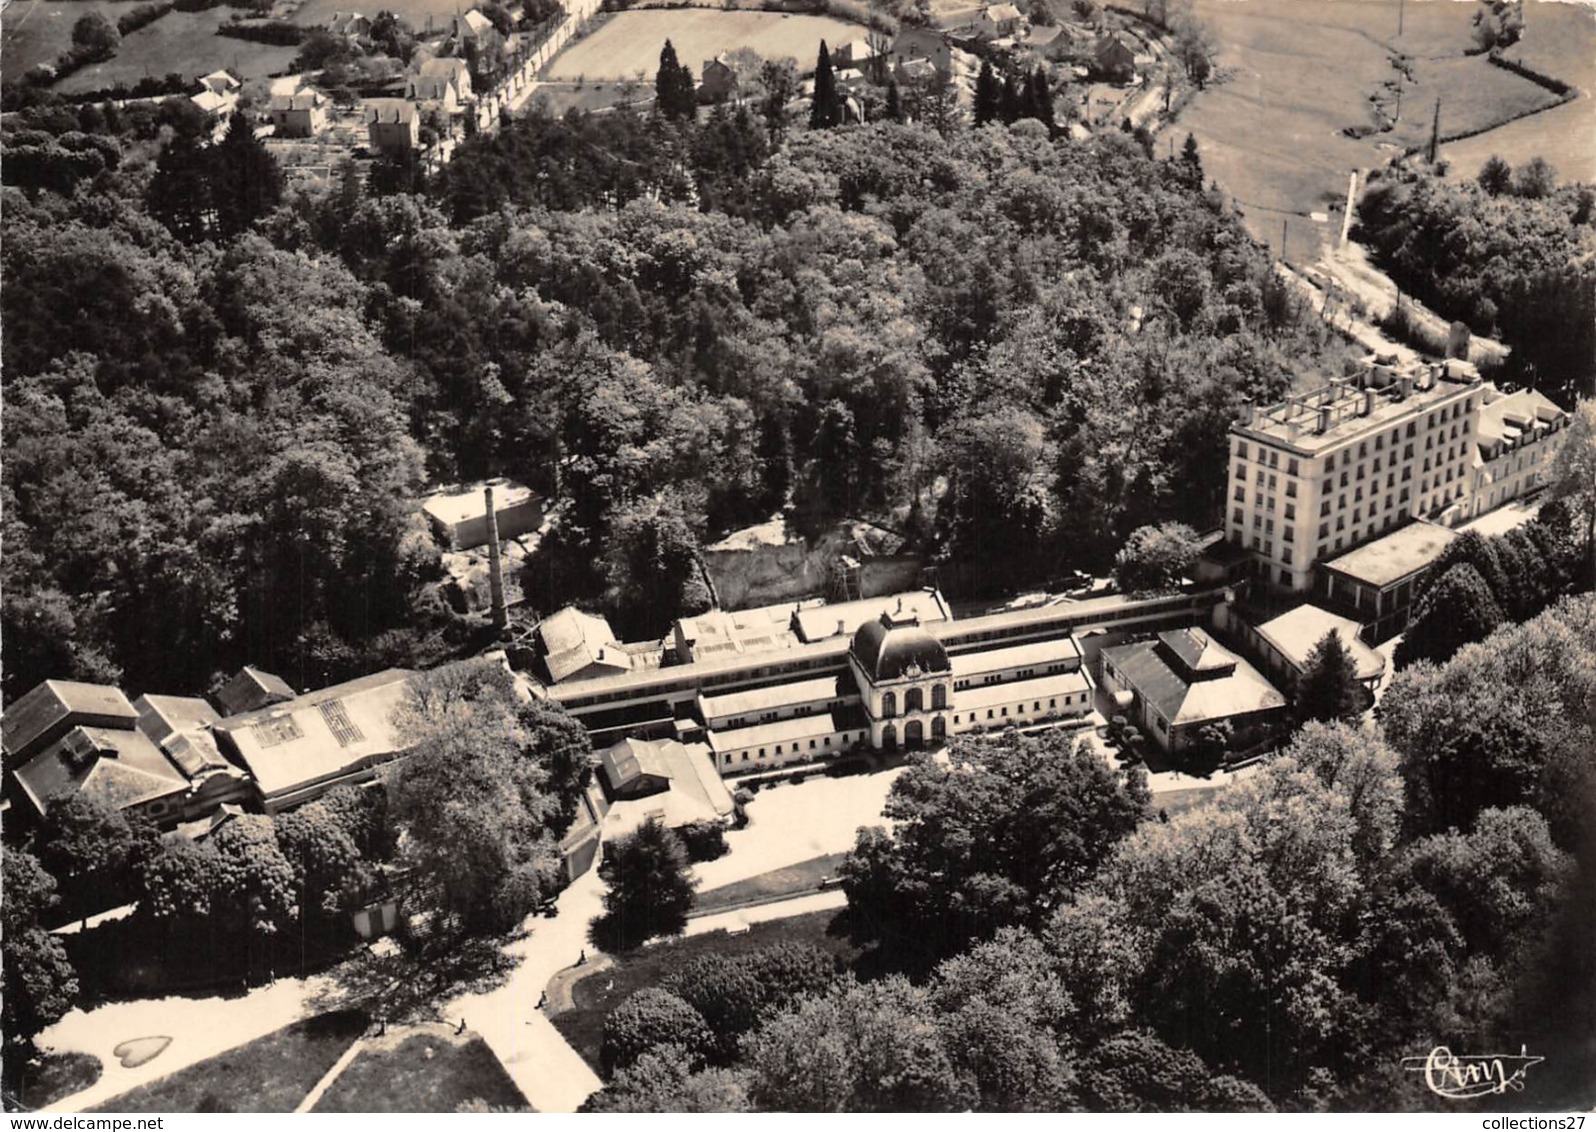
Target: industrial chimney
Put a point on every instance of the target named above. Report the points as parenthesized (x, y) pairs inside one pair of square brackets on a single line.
[(501, 616)]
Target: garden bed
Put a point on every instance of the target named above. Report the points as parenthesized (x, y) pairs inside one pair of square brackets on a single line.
[(269, 1074), (794, 880), (423, 1072)]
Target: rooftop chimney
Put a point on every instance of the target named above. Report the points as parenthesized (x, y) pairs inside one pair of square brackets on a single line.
[(842, 626), (501, 615), (1323, 424)]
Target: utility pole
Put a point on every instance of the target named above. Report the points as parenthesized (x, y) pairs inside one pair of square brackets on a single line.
[(1284, 225), (1435, 132), (1402, 11)]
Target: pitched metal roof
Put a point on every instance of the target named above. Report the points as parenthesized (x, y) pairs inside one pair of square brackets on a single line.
[(1148, 669), (115, 767)]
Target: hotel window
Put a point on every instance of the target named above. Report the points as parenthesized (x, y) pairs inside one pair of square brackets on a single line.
[(1257, 521), (1343, 479), (1260, 478), (1291, 467), (1289, 534), (1379, 442), (1269, 548), (1241, 450), (1324, 530), (1407, 474), (1285, 556), (1376, 468), (1363, 449), (1269, 526), (1274, 459), (1390, 479), (1291, 511), (1357, 496), (1241, 473), (1272, 483), (1341, 523), (1328, 485), (1269, 504), (1330, 462), (1257, 543), (1241, 494), (1409, 432), (1407, 451), (1291, 489), (1338, 544), (745, 756), (1361, 471), (1324, 508)]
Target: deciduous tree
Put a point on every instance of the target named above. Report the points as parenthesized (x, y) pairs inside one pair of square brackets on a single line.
[(650, 888)]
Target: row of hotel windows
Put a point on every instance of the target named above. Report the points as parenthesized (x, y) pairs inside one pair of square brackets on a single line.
[(1293, 468), (1454, 412), (1003, 677)]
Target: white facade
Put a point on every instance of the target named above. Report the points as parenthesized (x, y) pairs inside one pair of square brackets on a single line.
[(1323, 472)]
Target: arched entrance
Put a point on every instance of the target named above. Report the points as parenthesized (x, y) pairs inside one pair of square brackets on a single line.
[(889, 737), (914, 734), (939, 728), (913, 700)]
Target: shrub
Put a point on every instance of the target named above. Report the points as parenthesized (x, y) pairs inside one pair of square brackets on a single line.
[(649, 1018), (705, 840)]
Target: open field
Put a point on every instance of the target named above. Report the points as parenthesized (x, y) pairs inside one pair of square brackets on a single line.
[(628, 43), (314, 13), (270, 1074), (421, 1072), (38, 31), (596, 996), (1295, 74), (1559, 40), (185, 42)]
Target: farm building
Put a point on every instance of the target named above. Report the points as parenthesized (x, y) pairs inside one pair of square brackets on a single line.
[(459, 517), (1114, 59), (998, 20)]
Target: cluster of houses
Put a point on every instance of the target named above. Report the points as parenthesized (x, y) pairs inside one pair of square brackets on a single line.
[(432, 104), (1341, 498), (916, 56)]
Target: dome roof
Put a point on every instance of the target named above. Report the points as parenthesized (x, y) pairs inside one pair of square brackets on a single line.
[(891, 650)]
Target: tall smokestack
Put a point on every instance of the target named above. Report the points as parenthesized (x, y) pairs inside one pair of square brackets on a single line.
[(501, 616)]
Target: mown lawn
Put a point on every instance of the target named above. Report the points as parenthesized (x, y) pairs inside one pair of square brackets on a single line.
[(794, 880), (598, 994), (269, 1074), (425, 1072)]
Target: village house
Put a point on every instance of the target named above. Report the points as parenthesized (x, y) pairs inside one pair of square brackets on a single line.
[(1113, 59), (1181, 681), (998, 21), (920, 53), (444, 82), (302, 115), (717, 80), (393, 126), (350, 25)]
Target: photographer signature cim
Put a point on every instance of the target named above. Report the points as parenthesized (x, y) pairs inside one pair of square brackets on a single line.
[(1461, 1076)]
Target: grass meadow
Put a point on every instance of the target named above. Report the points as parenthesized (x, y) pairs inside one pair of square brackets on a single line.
[(629, 43)]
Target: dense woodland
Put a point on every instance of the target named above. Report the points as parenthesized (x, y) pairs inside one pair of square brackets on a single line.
[(1015, 348), (1513, 255)]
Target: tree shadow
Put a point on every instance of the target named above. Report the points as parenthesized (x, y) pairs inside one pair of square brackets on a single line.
[(402, 980)]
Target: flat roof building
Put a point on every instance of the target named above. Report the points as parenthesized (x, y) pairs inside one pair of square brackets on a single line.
[(1322, 472), (1376, 583)]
